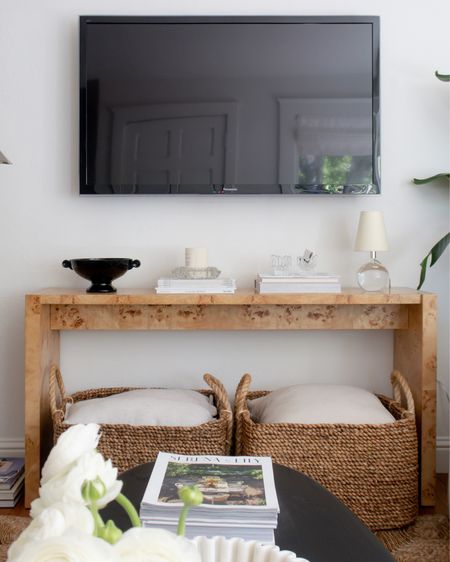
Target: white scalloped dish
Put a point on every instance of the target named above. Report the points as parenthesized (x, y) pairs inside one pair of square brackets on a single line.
[(220, 549)]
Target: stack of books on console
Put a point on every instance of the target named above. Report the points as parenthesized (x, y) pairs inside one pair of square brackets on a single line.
[(12, 476), (239, 496), (298, 283), (209, 286)]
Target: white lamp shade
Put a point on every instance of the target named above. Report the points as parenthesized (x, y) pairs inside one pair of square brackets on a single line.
[(3, 159), (371, 235)]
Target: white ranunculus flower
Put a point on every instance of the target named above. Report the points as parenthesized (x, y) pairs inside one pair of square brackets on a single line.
[(71, 445), (155, 545), (54, 522), (72, 546), (68, 487)]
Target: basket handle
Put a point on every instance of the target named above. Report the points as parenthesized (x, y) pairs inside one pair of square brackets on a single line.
[(240, 405), (223, 401), (399, 385), (56, 382), (241, 393)]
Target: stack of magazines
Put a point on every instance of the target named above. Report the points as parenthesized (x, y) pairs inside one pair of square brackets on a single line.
[(12, 477), (210, 286), (298, 283), (239, 496)]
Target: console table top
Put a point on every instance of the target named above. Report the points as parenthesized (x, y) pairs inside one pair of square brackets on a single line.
[(351, 295)]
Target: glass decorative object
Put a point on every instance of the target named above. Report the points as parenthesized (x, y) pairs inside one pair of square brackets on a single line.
[(196, 272), (307, 261), (373, 276), (281, 265)]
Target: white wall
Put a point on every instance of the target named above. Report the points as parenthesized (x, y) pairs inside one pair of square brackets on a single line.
[(44, 221)]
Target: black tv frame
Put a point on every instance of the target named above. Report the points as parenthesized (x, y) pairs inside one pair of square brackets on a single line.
[(374, 21)]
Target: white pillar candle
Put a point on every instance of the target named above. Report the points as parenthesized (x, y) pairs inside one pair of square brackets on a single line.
[(196, 257)]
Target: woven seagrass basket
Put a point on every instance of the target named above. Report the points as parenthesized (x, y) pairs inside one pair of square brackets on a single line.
[(130, 445), (372, 468)]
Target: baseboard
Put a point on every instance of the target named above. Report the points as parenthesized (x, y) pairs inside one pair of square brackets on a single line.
[(442, 454), (12, 447)]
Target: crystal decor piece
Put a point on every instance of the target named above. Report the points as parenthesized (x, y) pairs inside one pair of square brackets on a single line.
[(196, 272), (373, 276), (281, 265), (307, 261)]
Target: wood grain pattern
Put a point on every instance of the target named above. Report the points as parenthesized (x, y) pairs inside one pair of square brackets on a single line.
[(415, 357), (231, 317), (409, 313), (244, 296), (41, 350)]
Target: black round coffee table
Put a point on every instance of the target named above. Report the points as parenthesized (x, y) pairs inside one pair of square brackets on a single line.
[(312, 522)]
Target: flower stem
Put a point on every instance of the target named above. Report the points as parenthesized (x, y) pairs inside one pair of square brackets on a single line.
[(98, 521), (130, 509), (182, 520), (189, 495)]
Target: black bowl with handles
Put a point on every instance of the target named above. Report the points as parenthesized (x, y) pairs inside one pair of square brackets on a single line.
[(101, 271)]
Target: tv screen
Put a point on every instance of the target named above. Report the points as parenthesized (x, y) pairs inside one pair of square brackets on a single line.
[(230, 105)]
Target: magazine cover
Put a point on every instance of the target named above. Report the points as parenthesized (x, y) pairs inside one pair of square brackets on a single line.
[(226, 482)]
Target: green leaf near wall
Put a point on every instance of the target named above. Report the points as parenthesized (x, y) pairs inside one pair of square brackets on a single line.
[(443, 77), (431, 178), (435, 253)]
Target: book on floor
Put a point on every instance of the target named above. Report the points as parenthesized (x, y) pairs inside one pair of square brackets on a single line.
[(11, 503), (239, 496), (11, 468), (12, 477), (9, 498)]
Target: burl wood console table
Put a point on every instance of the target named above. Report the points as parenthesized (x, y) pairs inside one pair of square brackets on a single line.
[(410, 314)]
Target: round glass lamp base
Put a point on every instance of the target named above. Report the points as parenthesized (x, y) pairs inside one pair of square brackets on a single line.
[(373, 276)]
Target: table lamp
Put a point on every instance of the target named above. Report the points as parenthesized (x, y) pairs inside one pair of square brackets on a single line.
[(371, 237), (3, 159)]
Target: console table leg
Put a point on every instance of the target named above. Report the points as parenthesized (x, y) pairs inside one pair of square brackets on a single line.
[(41, 350), (415, 357)]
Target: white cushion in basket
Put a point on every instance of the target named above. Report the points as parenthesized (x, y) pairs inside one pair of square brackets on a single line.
[(151, 406), (319, 403)]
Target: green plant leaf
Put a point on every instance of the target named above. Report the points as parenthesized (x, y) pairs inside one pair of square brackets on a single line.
[(431, 178), (435, 253), (423, 271), (438, 249), (443, 77)]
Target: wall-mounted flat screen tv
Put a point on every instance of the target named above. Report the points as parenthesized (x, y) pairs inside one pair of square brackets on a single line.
[(229, 105)]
